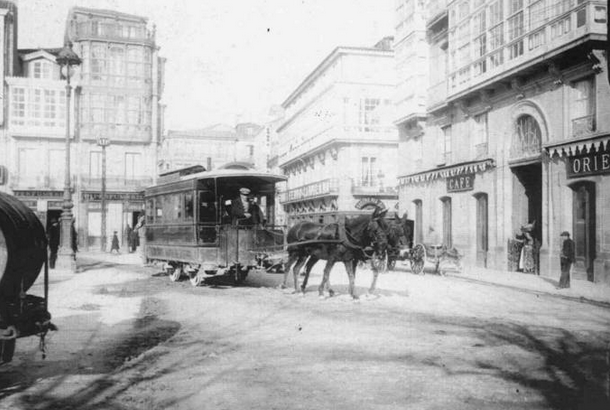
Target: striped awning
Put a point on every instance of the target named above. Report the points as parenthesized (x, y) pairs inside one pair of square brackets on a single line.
[(449, 171), (577, 147)]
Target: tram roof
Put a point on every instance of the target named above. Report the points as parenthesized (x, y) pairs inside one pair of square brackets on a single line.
[(224, 173)]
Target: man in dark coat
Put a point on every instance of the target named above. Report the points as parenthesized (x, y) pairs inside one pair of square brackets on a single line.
[(566, 259), (244, 211), (53, 236)]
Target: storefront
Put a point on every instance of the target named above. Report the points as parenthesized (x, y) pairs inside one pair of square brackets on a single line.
[(122, 211), (580, 204)]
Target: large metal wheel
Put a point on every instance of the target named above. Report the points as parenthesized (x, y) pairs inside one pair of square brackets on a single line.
[(418, 259), (194, 278), (174, 273)]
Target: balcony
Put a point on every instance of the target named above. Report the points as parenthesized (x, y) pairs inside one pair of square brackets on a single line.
[(117, 183), (366, 132), (436, 10), (319, 189), (111, 31), (550, 37), (583, 126), (375, 189), (40, 181)]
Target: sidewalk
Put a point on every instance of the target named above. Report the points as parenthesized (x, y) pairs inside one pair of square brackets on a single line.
[(579, 290)]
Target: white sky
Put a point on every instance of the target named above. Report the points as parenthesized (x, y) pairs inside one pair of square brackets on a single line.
[(228, 60)]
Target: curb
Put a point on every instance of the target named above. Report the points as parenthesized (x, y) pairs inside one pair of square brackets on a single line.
[(580, 299)]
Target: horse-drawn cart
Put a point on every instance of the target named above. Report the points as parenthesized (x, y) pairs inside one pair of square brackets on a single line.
[(437, 256)]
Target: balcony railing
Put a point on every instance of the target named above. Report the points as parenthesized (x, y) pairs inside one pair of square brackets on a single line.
[(314, 190), (538, 40), (583, 126), (39, 181), (375, 189), (114, 182)]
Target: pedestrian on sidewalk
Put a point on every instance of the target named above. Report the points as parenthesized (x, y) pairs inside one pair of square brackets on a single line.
[(115, 243), (566, 259)]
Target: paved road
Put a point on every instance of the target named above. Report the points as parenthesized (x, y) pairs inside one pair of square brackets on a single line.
[(131, 339)]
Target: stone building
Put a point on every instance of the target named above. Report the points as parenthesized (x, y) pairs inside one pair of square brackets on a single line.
[(517, 134), (337, 144), (116, 96)]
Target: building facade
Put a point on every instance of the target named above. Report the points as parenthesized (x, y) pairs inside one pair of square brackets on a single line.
[(337, 144), (517, 135), (116, 96), (211, 147)]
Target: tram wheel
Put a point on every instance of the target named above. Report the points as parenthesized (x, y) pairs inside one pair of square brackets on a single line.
[(174, 273), (195, 279)]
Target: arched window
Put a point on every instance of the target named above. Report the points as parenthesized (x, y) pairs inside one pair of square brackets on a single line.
[(527, 140)]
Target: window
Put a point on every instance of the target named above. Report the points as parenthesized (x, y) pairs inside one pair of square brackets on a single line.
[(132, 165), (447, 237), (18, 106), (496, 37), (42, 69), (95, 164), (368, 171), (515, 26), (528, 137), (495, 13), (444, 145), (480, 134), (537, 14), (35, 107), (369, 116), (482, 229), (582, 109)]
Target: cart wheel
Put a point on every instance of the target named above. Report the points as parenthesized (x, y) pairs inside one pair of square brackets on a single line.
[(174, 273), (418, 258)]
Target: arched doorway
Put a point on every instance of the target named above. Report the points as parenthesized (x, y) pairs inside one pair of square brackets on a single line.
[(583, 227), (526, 167)]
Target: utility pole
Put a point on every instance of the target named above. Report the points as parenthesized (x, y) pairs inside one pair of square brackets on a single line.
[(103, 142)]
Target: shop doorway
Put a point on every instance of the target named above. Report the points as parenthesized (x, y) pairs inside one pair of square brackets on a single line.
[(583, 227), (524, 250), (527, 198)]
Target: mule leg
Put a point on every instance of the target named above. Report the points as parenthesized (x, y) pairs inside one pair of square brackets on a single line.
[(374, 282), (308, 266), (292, 258), (327, 269), (350, 267), (296, 270)]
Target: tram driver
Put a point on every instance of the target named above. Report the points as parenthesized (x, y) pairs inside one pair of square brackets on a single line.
[(245, 211)]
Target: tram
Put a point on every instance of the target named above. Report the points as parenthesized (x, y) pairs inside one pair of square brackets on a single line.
[(190, 230)]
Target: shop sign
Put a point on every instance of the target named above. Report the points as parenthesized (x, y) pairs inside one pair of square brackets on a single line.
[(370, 201), (39, 194), (590, 164), (461, 183), (113, 196)]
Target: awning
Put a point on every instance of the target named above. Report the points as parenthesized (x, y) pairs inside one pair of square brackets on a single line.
[(449, 171), (576, 147)]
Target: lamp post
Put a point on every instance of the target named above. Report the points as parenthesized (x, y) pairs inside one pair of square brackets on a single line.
[(67, 59), (103, 142)]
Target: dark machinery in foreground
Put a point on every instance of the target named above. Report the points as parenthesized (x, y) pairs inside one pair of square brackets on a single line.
[(23, 253)]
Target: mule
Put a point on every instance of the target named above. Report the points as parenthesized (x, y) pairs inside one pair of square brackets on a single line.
[(400, 235), (347, 243)]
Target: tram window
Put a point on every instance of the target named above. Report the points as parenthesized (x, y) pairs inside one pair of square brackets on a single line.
[(188, 206), (150, 216), (178, 206), (159, 209)]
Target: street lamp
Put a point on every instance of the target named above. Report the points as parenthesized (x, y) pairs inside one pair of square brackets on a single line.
[(103, 142), (67, 60)]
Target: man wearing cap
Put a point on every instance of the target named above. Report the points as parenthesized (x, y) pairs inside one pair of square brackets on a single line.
[(566, 259), (242, 208)]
